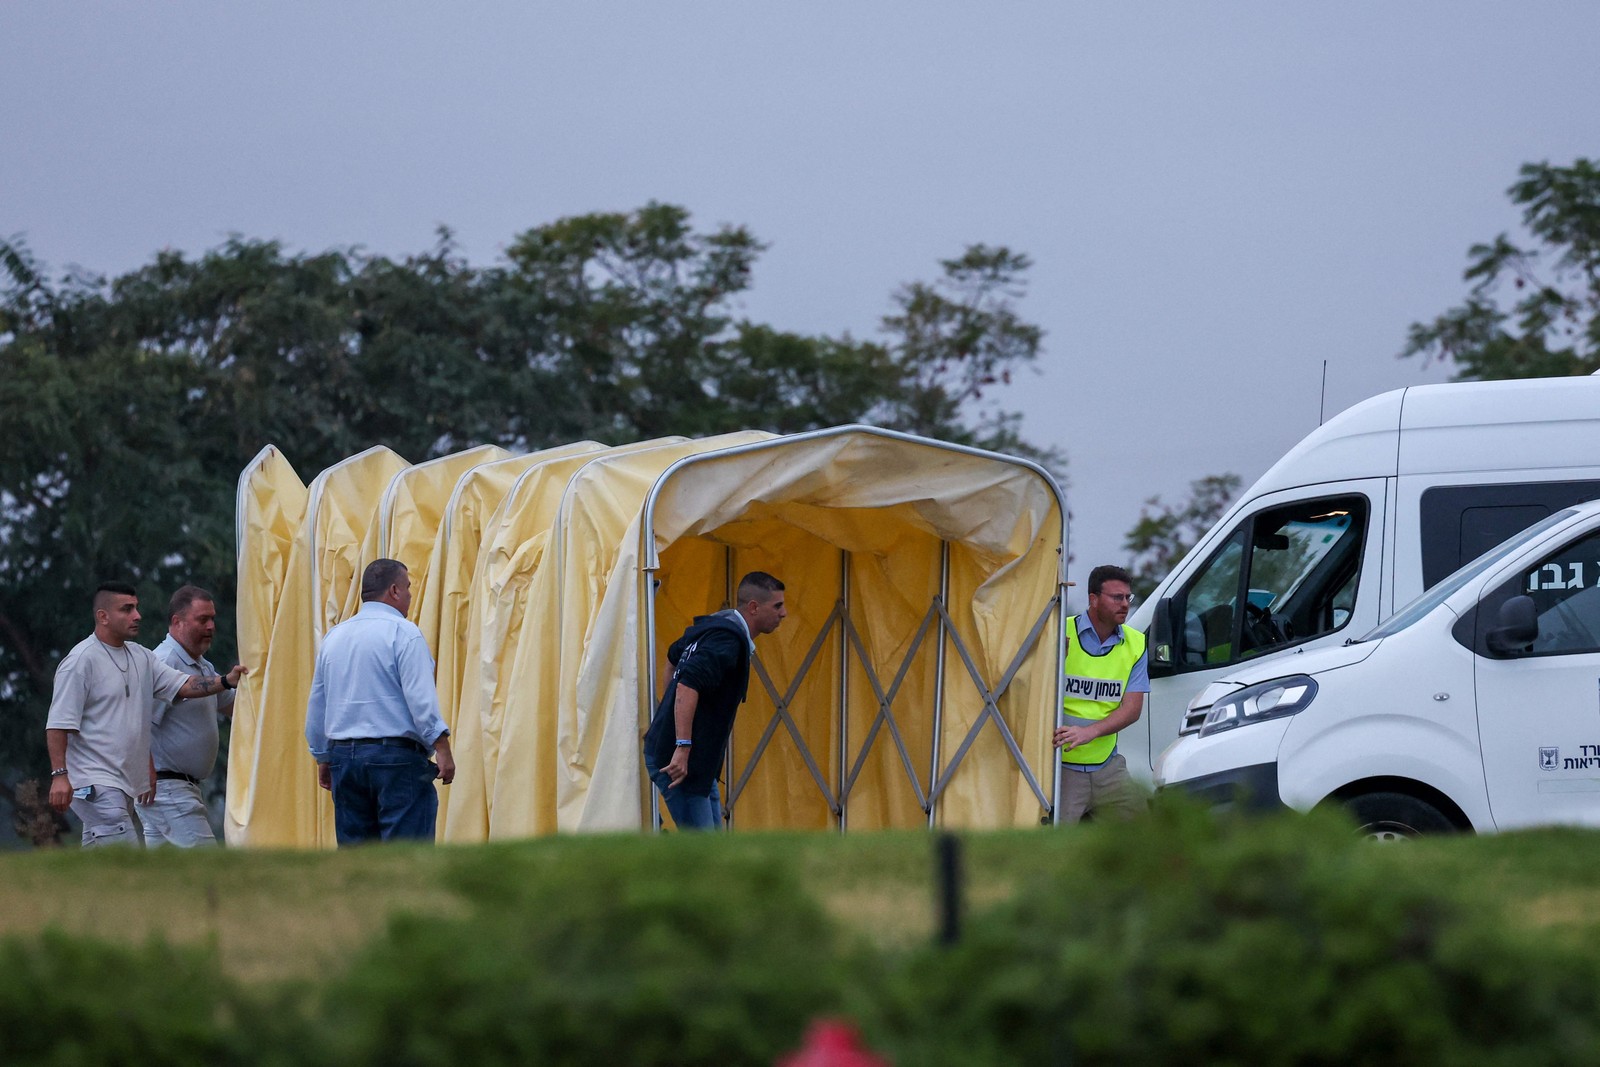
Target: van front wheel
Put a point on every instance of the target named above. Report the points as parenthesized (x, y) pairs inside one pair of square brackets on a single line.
[(1396, 817)]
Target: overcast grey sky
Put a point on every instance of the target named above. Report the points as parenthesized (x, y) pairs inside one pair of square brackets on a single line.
[(1217, 197)]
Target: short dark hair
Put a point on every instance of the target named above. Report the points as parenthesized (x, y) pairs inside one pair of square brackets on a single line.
[(753, 585), (110, 589), (379, 576), (183, 598), (1107, 572)]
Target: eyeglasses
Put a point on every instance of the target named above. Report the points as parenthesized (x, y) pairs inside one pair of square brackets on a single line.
[(1118, 598)]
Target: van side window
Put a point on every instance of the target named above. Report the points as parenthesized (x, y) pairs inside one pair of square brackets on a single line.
[(1295, 571), (1461, 522), (1565, 587)]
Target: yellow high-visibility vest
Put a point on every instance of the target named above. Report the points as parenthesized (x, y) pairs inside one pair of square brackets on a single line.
[(1093, 686)]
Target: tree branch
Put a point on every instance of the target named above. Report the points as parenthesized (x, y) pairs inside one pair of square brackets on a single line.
[(21, 642)]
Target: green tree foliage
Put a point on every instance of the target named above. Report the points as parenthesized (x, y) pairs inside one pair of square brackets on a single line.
[(1552, 324), (957, 337), (1165, 532), (131, 403)]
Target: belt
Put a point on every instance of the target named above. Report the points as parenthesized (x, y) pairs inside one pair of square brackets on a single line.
[(386, 742), (177, 776)]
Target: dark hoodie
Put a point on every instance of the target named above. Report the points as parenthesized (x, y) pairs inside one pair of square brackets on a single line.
[(712, 658)]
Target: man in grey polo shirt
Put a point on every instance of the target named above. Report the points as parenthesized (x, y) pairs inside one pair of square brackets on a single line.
[(183, 735)]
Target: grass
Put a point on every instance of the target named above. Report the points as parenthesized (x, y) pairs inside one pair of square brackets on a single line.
[(273, 915), (1542, 879), (270, 915)]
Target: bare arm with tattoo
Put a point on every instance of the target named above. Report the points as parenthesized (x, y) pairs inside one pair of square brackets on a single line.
[(197, 687)]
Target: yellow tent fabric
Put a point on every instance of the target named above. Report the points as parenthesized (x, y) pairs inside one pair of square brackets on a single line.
[(791, 506), (409, 514), (287, 807), (493, 518), (343, 513), (477, 495), (915, 681), (443, 615), (270, 509), (525, 795), (514, 550)]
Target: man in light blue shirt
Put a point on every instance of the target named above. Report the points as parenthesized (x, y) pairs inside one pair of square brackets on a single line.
[(373, 717)]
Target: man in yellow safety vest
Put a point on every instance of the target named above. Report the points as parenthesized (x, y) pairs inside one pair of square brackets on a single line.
[(1106, 678)]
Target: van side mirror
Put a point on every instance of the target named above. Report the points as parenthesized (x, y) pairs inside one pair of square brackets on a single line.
[(1517, 626), (1160, 643)]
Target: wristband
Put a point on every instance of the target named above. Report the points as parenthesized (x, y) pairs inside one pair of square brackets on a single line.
[(681, 743), (223, 678), (57, 772)]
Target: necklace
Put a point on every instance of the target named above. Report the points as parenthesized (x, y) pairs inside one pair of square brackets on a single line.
[(123, 667)]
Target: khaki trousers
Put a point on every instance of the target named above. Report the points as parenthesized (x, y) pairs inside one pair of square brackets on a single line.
[(1108, 792)]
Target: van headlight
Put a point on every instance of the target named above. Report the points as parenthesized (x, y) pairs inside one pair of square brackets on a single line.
[(1258, 703)]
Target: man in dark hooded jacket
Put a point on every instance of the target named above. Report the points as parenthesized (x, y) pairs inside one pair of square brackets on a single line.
[(688, 735)]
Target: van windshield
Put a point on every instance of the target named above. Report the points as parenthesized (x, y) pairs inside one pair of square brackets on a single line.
[(1432, 598)]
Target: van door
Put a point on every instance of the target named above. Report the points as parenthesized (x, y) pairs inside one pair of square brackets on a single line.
[(1539, 710), (1294, 572)]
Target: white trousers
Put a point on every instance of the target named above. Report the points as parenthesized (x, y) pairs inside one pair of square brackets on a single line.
[(177, 816)]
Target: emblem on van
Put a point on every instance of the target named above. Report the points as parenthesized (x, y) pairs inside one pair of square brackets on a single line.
[(1549, 759)]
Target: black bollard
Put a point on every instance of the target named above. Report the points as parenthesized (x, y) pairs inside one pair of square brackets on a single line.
[(949, 871)]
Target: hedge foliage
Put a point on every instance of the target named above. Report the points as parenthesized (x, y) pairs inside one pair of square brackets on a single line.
[(66, 1001), (1184, 938), (697, 958), (1193, 939)]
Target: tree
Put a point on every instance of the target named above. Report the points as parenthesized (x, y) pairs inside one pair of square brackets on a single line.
[(631, 312), (1165, 533), (131, 403), (957, 337), (1552, 327)]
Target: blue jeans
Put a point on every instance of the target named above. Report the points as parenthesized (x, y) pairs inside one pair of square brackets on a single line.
[(688, 812), (382, 793)]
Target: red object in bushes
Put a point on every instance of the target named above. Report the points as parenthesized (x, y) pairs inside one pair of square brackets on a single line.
[(832, 1043)]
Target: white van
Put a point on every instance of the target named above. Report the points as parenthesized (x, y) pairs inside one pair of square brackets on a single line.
[(1373, 507), (1476, 706)]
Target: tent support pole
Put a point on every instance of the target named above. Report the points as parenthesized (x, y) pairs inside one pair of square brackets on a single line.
[(651, 584), (843, 759), (1061, 661), (938, 683), (728, 601)]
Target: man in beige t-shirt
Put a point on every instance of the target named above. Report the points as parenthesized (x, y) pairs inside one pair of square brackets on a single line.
[(98, 731)]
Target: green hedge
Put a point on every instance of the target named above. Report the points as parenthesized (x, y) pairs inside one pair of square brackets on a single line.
[(1183, 938), (694, 956), (67, 1001), (1190, 938)]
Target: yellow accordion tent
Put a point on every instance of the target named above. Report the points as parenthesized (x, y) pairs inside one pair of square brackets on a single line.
[(915, 681)]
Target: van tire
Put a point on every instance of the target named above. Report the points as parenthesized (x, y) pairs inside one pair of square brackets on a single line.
[(1396, 817)]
